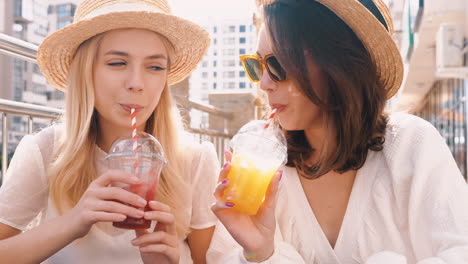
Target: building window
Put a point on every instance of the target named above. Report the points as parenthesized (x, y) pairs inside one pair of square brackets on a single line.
[(229, 63), (242, 40), (204, 64), (242, 74), (229, 29), (229, 74), (215, 29), (241, 51), (242, 85), (63, 10), (215, 63), (214, 85), (204, 74), (229, 52), (242, 28), (215, 41), (229, 41), (229, 85), (215, 74)]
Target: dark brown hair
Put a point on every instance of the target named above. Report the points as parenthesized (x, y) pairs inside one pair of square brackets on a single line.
[(354, 99)]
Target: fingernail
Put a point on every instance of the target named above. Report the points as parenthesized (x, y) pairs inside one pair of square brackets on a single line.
[(229, 204), (226, 164), (142, 202), (135, 241), (140, 213), (225, 181), (226, 150)]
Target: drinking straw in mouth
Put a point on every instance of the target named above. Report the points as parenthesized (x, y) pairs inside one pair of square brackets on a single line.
[(270, 118), (134, 137)]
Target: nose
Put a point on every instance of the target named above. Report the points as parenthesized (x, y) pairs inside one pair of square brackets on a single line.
[(135, 82), (266, 83)]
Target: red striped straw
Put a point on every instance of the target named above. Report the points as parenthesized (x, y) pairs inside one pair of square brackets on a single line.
[(270, 118), (134, 137)]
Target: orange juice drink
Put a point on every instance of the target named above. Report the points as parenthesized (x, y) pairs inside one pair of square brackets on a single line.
[(250, 180), (258, 152)]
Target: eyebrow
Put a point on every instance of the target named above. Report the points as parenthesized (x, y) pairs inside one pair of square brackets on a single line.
[(125, 54)]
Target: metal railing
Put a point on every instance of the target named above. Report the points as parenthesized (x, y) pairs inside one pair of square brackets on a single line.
[(27, 51)]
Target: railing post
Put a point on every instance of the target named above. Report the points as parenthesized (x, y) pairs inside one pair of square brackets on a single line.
[(30, 125), (4, 145)]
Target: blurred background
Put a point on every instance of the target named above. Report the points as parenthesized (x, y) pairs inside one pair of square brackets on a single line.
[(217, 99)]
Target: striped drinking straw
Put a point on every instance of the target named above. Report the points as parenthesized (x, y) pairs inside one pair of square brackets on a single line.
[(134, 137), (270, 118)]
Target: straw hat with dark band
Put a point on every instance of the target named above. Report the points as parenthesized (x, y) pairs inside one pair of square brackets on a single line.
[(372, 22), (93, 17)]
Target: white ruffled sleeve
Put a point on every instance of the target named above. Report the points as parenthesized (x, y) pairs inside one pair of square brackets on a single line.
[(24, 192), (205, 169), (437, 206)]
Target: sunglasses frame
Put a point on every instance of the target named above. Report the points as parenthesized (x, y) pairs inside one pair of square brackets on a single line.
[(263, 64)]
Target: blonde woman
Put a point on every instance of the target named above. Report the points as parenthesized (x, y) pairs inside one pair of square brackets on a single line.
[(117, 55)]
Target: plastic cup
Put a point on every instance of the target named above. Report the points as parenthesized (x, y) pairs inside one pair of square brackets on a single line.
[(257, 155), (145, 162)]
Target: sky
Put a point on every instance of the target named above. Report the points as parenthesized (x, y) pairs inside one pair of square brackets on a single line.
[(200, 10)]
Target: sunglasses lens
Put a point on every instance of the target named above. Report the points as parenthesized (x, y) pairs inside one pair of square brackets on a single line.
[(253, 68), (277, 72)]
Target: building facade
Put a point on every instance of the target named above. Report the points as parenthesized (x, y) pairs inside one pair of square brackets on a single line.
[(433, 43)]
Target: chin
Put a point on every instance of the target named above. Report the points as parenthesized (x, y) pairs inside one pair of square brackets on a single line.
[(290, 125)]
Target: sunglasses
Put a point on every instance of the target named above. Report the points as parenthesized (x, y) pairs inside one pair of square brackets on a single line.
[(254, 66)]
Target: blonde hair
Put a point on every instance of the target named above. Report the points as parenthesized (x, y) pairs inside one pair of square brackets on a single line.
[(71, 172)]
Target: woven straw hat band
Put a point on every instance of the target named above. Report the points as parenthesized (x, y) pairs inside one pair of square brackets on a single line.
[(376, 7), (91, 8)]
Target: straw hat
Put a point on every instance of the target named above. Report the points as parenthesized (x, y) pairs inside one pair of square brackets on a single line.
[(93, 17), (374, 34)]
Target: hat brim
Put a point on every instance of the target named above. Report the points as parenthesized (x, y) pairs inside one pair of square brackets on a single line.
[(190, 42), (376, 39)]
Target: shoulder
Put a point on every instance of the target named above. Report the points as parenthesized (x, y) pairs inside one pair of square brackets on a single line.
[(412, 146), (46, 137), (407, 132)]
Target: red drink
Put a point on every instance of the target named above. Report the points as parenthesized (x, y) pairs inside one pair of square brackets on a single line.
[(143, 157), (148, 192)]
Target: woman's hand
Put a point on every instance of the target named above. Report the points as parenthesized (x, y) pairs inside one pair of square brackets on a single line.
[(102, 203), (161, 245), (254, 233)]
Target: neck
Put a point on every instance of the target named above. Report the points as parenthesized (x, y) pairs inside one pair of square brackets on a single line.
[(315, 137), (108, 133)]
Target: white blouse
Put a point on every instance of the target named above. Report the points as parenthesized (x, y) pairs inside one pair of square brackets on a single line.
[(25, 196), (409, 204)]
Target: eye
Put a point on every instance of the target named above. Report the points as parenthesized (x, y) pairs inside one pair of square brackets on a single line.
[(157, 68), (120, 63)]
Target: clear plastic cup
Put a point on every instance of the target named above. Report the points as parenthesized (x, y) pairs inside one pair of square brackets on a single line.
[(146, 163), (257, 155)]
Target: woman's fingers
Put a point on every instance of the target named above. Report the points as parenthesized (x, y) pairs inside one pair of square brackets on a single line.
[(119, 208), (270, 197), (219, 191), (115, 176), (161, 213), (121, 195), (95, 216), (218, 206), (159, 237), (228, 155)]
